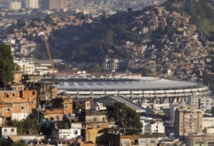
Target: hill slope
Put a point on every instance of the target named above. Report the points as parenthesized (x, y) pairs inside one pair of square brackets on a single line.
[(201, 12)]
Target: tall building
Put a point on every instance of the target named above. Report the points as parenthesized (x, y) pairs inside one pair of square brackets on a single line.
[(188, 119), (15, 5), (32, 4), (203, 102), (53, 4)]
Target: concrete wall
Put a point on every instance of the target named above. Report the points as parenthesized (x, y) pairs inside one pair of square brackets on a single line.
[(8, 131)]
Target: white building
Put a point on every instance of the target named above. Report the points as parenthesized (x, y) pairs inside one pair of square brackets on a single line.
[(97, 106), (209, 130), (66, 131), (172, 110), (203, 102), (207, 121), (19, 116), (26, 65), (34, 67), (193, 100), (151, 125), (15, 5), (32, 4), (28, 69), (8, 131), (43, 67), (110, 64)]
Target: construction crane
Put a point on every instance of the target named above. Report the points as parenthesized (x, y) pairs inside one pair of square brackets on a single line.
[(49, 54), (52, 90)]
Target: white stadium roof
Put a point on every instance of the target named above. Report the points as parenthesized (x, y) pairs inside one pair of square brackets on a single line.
[(142, 83)]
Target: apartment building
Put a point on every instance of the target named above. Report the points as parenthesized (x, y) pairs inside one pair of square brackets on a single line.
[(17, 105), (32, 4), (188, 119), (203, 102), (151, 125), (58, 113), (95, 121), (53, 4), (66, 130), (15, 5)]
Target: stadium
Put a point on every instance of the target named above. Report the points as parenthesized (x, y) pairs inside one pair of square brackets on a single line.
[(141, 88)]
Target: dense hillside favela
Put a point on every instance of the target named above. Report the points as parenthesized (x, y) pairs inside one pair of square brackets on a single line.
[(106, 73)]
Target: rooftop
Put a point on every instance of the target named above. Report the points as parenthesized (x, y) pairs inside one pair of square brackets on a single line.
[(142, 83)]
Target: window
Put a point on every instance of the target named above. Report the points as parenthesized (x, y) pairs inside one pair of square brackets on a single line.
[(98, 126), (75, 131), (5, 130), (87, 104), (8, 109), (23, 107), (95, 119), (12, 130), (33, 93)]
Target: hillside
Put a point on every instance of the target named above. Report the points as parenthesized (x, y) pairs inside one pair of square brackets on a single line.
[(107, 36), (201, 12), (112, 4)]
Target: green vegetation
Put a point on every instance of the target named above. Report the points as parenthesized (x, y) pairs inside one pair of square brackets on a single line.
[(7, 65), (81, 16), (201, 13), (30, 125), (20, 23), (106, 39), (208, 80), (94, 68), (125, 116), (48, 19), (18, 143), (144, 71)]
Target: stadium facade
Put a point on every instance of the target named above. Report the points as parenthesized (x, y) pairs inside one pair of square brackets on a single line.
[(149, 88)]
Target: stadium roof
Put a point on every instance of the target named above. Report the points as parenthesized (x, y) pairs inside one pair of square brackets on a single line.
[(143, 83)]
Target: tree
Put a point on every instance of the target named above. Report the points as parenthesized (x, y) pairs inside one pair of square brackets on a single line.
[(18, 143), (20, 23), (7, 65), (17, 67), (48, 19), (95, 68), (81, 16), (125, 116), (30, 125), (129, 10)]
